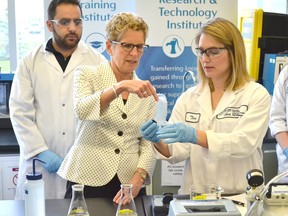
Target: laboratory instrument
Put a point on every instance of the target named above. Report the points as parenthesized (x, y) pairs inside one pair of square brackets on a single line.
[(205, 192), (221, 207), (205, 200), (268, 200)]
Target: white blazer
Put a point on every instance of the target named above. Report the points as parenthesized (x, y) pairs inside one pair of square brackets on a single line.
[(108, 142), (41, 111), (235, 131)]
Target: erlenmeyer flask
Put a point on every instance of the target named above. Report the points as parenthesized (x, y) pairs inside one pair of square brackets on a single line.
[(126, 206), (78, 205)]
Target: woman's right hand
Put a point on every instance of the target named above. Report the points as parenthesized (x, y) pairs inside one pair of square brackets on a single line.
[(143, 88)]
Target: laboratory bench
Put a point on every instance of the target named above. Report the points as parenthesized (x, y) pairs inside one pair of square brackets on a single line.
[(59, 207), (96, 206)]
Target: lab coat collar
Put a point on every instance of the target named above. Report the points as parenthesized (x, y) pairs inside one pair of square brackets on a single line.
[(76, 58)]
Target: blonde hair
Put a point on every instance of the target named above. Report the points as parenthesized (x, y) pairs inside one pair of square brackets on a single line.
[(227, 33), (121, 22)]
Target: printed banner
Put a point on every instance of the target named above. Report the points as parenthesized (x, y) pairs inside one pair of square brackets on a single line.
[(173, 25), (96, 14)]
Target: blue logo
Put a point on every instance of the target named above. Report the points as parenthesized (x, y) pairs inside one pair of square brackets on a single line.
[(97, 41), (173, 46)]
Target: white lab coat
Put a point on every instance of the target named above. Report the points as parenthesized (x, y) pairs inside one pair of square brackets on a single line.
[(235, 131), (279, 116), (41, 111)]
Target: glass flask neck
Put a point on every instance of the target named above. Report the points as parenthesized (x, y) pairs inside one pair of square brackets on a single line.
[(126, 206), (77, 194), (126, 190), (78, 205)]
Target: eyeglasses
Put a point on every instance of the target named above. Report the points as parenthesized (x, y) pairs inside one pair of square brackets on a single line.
[(67, 22), (128, 47), (212, 52)]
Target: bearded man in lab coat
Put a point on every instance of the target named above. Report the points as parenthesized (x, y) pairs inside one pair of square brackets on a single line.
[(41, 104)]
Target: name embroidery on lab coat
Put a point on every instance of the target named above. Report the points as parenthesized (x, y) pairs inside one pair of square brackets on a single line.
[(192, 117), (233, 112)]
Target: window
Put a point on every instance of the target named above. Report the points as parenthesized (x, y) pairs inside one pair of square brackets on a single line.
[(4, 38), (29, 25), (21, 29)]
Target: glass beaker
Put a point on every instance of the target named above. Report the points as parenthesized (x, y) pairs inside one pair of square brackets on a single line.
[(126, 206), (205, 192), (78, 205)]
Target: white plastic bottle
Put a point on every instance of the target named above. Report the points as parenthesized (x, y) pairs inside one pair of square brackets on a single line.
[(161, 110), (34, 193)]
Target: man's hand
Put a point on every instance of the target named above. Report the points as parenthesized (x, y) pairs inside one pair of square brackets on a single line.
[(52, 161)]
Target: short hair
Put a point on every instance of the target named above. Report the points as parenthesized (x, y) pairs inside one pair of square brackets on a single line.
[(55, 3), (225, 32), (123, 21)]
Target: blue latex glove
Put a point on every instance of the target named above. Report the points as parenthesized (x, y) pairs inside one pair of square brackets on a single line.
[(52, 161), (148, 131), (177, 132), (285, 152)]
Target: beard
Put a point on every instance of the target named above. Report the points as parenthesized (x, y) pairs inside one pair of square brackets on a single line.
[(67, 42)]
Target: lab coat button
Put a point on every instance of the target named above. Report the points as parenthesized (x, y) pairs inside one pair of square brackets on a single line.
[(63, 105), (120, 133), (117, 151), (63, 133), (124, 116)]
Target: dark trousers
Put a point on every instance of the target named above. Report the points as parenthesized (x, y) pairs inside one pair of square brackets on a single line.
[(108, 190)]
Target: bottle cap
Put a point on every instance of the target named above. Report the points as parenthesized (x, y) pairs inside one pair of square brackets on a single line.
[(34, 175)]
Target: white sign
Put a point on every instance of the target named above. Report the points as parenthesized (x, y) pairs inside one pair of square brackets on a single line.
[(171, 174)]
